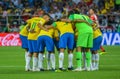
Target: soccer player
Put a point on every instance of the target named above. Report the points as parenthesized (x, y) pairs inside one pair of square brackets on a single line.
[(66, 40), (23, 37), (56, 44), (95, 20), (35, 26), (97, 35), (45, 39), (56, 38), (84, 67), (85, 37)]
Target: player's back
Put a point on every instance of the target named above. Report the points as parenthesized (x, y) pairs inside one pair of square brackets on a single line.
[(64, 27), (47, 33), (81, 26), (34, 26)]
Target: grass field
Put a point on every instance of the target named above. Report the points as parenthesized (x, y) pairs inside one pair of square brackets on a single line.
[(12, 66)]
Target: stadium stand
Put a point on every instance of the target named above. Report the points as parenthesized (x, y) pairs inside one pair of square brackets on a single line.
[(14, 12)]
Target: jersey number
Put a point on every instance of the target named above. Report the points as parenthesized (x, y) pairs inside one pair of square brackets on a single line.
[(33, 25)]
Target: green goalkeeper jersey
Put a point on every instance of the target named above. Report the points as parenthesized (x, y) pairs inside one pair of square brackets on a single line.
[(81, 26)]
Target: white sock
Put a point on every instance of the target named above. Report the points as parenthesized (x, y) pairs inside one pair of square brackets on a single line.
[(93, 60), (48, 60), (40, 61), (96, 60), (26, 56), (61, 58), (52, 59), (28, 59), (84, 60), (35, 62), (70, 60)]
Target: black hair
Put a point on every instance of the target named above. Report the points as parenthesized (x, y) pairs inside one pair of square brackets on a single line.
[(71, 12), (58, 20), (74, 11), (49, 22)]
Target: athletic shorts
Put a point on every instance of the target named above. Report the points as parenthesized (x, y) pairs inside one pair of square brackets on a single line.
[(24, 41), (45, 41), (32, 45), (85, 40), (97, 43), (67, 40)]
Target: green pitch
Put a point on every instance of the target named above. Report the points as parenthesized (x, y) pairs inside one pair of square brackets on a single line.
[(12, 66)]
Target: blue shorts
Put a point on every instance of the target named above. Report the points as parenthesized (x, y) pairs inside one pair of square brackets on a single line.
[(97, 43), (32, 45), (45, 41), (74, 46), (56, 43), (24, 41), (67, 40)]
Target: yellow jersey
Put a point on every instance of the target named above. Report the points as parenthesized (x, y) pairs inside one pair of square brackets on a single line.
[(96, 32), (34, 25), (24, 31), (63, 27), (49, 33)]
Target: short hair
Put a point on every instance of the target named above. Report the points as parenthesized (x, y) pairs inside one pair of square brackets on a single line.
[(49, 22), (70, 13), (74, 11)]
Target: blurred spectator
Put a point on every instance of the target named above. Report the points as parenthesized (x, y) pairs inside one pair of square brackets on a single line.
[(1, 29), (103, 10), (88, 2), (103, 21), (110, 28), (45, 7), (16, 3), (1, 11), (4, 13), (52, 14), (96, 1), (14, 27), (76, 1), (31, 3), (58, 14)]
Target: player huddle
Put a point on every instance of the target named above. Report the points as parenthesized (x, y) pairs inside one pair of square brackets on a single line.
[(75, 31)]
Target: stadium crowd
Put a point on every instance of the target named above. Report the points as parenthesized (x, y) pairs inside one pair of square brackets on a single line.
[(19, 11)]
